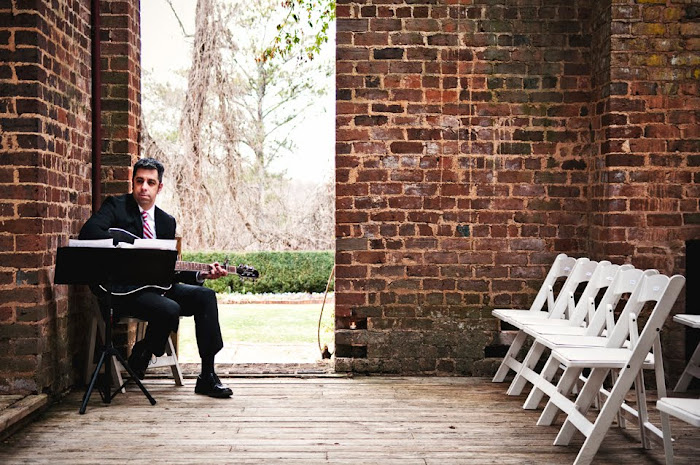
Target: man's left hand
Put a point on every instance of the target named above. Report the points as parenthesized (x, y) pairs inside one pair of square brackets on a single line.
[(216, 271)]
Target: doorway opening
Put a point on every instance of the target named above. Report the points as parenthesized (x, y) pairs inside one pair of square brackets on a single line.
[(249, 150)]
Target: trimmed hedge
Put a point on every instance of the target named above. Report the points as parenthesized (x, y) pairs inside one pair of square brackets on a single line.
[(279, 271)]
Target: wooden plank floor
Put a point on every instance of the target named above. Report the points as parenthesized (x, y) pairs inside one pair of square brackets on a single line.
[(361, 420)]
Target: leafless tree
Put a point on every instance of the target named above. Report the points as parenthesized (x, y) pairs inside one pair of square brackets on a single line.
[(236, 117)]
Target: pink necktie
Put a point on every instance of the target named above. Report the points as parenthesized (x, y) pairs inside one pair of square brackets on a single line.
[(147, 233)]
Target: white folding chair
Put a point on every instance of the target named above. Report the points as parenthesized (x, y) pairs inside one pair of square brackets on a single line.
[(625, 281), (96, 334), (576, 272), (661, 290), (168, 359), (579, 321)]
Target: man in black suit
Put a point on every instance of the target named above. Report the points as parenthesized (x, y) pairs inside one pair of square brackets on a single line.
[(137, 213)]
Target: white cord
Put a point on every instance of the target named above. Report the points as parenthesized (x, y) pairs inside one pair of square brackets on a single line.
[(318, 333), (133, 291)]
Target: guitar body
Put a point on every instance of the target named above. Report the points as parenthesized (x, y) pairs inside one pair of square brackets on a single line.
[(243, 271)]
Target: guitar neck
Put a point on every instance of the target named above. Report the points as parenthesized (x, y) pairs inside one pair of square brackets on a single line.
[(193, 266), (244, 271)]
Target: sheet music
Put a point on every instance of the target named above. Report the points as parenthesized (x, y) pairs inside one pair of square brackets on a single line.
[(160, 244), (93, 243)]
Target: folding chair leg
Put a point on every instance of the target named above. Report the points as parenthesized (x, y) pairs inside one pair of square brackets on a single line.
[(175, 367), (530, 361), (603, 420), (92, 342), (668, 441), (548, 372), (168, 359), (141, 329), (662, 392), (551, 410), (509, 362), (661, 389), (643, 415), (691, 371), (582, 405), (621, 421)]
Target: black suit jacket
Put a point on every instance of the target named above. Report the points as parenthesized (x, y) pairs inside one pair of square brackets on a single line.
[(123, 212)]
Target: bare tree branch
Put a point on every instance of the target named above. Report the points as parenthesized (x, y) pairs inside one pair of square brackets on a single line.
[(177, 17)]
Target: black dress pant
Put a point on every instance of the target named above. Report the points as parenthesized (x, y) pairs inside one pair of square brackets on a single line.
[(163, 312)]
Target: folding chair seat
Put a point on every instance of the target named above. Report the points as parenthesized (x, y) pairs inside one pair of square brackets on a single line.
[(687, 410), (96, 334), (580, 272), (658, 289)]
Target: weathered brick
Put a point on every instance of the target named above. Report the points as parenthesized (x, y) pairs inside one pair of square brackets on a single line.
[(388, 54)]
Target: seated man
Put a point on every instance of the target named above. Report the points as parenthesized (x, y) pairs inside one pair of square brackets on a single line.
[(137, 213)]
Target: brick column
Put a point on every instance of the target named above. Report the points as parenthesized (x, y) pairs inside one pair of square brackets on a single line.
[(648, 139), (44, 186), (45, 178), (121, 92)]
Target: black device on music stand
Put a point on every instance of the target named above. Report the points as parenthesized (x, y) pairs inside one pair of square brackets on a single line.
[(108, 267)]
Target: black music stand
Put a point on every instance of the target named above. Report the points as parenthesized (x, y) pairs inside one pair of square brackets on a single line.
[(107, 267)]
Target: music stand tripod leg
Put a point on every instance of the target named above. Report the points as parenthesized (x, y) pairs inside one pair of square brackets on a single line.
[(106, 359), (135, 378), (93, 381)]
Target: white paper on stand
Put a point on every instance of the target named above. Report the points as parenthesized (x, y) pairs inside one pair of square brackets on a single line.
[(160, 244), (94, 243)]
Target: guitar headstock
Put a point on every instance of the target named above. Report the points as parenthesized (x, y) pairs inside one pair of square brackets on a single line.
[(246, 271)]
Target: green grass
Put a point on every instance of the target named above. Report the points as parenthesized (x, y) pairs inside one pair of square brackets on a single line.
[(263, 324)]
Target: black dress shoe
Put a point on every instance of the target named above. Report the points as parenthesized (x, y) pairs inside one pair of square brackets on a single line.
[(139, 358), (210, 385)]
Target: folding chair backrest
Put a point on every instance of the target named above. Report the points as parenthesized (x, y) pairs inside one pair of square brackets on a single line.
[(625, 282), (582, 272), (561, 268), (602, 278), (656, 288)]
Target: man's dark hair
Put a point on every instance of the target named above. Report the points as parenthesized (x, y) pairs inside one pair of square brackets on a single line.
[(150, 164)]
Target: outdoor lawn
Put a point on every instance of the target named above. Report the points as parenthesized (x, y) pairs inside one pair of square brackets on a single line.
[(265, 333)]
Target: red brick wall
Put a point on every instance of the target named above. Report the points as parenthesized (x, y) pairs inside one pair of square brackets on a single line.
[(476, 140), (45, 171), (44, 185)]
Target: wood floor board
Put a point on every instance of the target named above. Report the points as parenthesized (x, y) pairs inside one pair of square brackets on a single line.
[(361, 420)]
